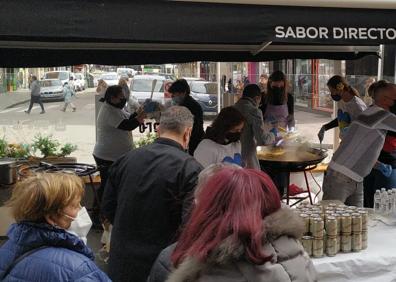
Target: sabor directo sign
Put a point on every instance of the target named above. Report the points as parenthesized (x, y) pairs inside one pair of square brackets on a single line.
[(335, 33)]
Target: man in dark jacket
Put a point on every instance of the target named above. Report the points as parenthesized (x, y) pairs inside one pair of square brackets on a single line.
[(147, 192), (35, 95), (180, 91)]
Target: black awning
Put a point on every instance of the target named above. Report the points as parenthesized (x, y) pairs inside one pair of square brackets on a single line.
[(41, 58), (156, 31)]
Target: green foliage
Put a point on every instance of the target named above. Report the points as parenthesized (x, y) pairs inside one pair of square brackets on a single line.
[(18, 151), (145, 140), (3, 148), (47, 145), (67, 149), (13, 150)]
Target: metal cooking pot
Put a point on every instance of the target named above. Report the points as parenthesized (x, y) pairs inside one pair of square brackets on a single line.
[(8, 171), (284, 163)]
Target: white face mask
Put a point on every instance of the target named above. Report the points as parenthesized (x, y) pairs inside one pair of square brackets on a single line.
[(80, 225)]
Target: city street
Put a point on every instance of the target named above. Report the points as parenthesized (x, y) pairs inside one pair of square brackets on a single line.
[(74, 127)]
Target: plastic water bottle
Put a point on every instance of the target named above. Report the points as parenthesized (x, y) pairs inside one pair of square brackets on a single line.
[(377, 201), (391, 202), (384, 198)]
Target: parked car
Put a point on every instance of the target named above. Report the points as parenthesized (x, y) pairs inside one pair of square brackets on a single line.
[(125, 72), (63, 76), (51, 90), (191, 79), (205, 93), (142, 85), (79, 82), (111, 78)]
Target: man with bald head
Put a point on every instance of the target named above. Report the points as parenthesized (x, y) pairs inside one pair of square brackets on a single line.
[(360, 148)]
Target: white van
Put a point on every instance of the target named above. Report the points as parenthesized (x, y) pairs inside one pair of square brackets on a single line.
[(63, 76), (142, 85)]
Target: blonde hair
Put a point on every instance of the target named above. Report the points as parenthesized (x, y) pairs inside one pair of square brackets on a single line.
[(44, 194)]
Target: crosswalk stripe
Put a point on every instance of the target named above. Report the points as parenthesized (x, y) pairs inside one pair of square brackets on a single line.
[(34, 107), (51, 107), (9, 110)]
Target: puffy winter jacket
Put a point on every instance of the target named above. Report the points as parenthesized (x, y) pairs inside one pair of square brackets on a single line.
[(66, 258), (290, 263)]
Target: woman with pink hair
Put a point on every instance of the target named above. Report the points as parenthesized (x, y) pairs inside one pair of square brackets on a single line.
[(238, 231)]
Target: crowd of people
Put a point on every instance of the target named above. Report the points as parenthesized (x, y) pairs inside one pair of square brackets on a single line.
[(196, 205)]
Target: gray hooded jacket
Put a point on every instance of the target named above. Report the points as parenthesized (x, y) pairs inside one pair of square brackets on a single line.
[(35, 88), (253, 133)]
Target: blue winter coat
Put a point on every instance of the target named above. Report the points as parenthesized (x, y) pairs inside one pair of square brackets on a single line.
[(67, 258)]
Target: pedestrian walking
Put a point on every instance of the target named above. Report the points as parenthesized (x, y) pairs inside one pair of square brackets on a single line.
[(68, 94), (35, 95), (230, 86)]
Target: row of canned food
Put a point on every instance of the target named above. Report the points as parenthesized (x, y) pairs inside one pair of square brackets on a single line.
[(330, 245), (333, 228)]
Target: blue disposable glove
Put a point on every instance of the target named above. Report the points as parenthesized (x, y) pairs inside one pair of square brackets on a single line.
[(278, 141), (385, 169), (274, 131)]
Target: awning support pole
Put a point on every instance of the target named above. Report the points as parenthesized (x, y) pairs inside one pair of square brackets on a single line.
[(218, 87), (380, 62)]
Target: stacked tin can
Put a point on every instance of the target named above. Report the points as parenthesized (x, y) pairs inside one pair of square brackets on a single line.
[(333, 229), (364, 214)]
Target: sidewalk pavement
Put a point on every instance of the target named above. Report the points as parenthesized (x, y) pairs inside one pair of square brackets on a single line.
[(308, 125), (21, 96), (12, 99)]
